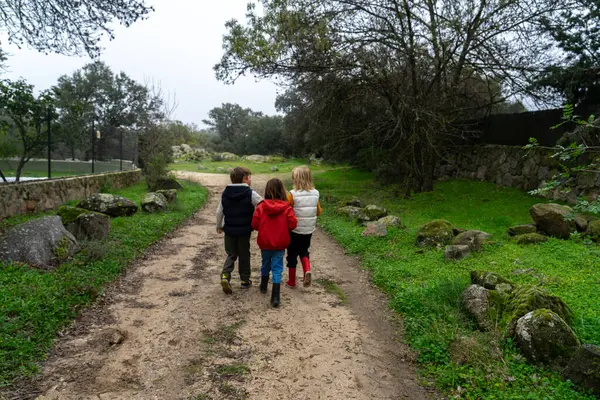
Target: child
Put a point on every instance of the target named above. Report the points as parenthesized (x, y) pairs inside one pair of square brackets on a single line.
[(274, 219), (237, 207), (305, 200)]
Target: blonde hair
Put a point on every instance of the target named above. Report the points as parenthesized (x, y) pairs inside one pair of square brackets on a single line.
[(302, 178)]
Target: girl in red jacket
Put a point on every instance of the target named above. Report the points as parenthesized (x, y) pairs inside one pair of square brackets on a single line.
[(274, 218)]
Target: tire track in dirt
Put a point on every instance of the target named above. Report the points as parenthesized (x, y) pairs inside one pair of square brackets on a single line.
[(167, 331)]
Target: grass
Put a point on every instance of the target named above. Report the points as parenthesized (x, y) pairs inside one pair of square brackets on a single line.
[(256, 168), (35, 305), (333, 288), (426, 290), (38, 174)]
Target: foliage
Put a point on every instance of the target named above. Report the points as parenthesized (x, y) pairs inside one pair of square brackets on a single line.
[(574, 78), (67, 27), (426, 290), (243, 131), (575, 154), (35, 305), (385, 80), (25, 118)]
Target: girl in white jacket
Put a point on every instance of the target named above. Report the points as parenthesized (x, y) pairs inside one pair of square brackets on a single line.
[(305, 200)]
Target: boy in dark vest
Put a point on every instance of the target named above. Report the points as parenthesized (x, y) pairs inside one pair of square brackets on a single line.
[(236, 209)]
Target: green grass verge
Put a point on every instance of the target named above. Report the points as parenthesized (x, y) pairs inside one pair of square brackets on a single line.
[(256, 168), (35, 305), (426, 290)]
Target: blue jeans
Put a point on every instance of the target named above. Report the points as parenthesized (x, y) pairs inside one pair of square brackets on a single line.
[(272, 260)]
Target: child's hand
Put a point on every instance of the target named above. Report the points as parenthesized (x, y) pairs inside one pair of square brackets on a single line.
[(219, 230)]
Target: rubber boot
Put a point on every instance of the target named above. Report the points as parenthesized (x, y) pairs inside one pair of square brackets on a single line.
[(275, 292), (264, 282), (291, 282), (307, 273)]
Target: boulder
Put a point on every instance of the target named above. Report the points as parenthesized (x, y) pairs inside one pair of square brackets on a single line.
[(274, 168), (170, 195), (581, 223), (201, 167), (593, 230), (314, 160), (42, 242), (372, 213), (474, 239), (167, 184), (222, 170), (554, 219), (492, 281), (436, 233), (456, 252), (257, 158), (531, 238), (544, 338), (154, 202), (525, 299), (350, 211), (109, 204), (481, 305), (375, 229), (584, 368), (229, 157), (390, 220), (355, 203), (91, 226), (521, 230)]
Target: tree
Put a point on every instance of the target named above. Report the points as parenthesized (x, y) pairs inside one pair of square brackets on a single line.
[(25, 117), (228, 120), (390, 77), (67, 26), (575, 78)]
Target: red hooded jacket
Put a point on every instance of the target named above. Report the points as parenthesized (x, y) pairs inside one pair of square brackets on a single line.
[(274, 219)]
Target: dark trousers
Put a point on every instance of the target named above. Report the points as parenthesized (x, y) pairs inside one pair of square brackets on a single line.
[(299, 245), (237, 247)]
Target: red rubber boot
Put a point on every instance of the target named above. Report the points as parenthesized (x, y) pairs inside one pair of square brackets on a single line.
[(307, 273), (291, 282)]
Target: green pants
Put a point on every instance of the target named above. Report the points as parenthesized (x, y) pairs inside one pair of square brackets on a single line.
[(237, 247)]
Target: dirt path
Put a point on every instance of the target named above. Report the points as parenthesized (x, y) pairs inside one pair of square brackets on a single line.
[(167, 331)]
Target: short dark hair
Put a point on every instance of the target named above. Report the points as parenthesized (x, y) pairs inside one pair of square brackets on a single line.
[(275, 190), (238, 174)]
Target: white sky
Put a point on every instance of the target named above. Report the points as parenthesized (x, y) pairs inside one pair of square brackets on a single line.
[(177, 46)]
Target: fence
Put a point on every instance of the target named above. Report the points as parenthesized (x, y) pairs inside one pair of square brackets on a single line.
[(57, 154), (516, 129)]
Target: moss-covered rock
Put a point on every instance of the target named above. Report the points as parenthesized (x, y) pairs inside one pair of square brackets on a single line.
[(531, 238), (483, 305), (372, 213), (456, 252), (584, 368), (390, 220), (436, 233), (527, 298), (492, 281), (474, 239), (69, 214), (554, 219), (545, 338), (154, 202), (593, 230), (521, 230), (170, 195), (109, 204), (350, 211)]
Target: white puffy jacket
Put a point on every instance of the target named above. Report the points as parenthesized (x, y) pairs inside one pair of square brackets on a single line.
[(305, 206)]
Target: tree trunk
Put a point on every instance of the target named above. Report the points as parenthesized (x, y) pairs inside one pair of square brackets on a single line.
[(3, 177), (20, 166)]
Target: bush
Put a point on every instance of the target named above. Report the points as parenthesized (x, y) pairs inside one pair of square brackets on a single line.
[(156, 168)]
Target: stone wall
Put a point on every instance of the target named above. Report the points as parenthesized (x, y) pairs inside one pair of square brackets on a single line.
[(43, 195), (515, 167)]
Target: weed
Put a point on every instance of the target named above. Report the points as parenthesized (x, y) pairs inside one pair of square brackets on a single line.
[(224, 335), (232, 392), (333, 288), (232, 371)]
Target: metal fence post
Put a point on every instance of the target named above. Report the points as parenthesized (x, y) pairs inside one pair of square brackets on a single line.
[(121, 150), (49, 121), (93, 142)]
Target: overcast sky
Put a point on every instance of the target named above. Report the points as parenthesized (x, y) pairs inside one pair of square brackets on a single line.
[(177, 45)]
